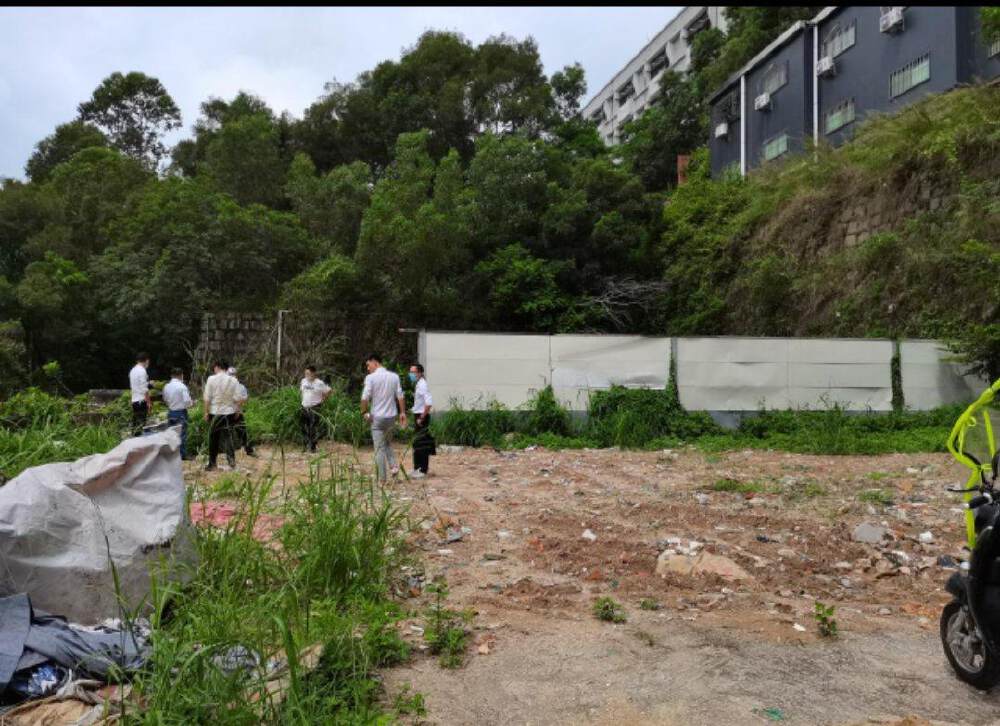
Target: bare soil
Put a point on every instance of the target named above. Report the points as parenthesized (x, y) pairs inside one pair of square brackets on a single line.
[(717, 650)]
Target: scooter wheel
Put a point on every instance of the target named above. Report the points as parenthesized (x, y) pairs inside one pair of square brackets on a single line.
[(967, 653)]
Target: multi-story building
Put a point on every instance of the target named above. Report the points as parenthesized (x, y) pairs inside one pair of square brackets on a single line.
[(632, 89), (820, 77)]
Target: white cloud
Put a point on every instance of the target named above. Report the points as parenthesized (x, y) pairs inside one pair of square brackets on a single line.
[(55, 57)]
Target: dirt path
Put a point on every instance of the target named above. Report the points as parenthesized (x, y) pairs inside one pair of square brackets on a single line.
[(718, 650)]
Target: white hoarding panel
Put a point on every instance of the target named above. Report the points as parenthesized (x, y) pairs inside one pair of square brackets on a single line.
[(930, 379), (745, 374), (582, 363)]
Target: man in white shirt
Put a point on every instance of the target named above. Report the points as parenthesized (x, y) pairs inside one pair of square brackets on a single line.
[(423, 442), (314, 392), (384, 394), (221, 391), (141, 402), (239, 420), (177, 399)]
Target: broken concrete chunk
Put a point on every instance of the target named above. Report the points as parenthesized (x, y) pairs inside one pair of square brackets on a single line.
[(869, 533), (700, 564)]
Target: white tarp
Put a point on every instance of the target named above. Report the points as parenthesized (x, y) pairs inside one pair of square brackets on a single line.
[(930, 379), (58, 523)]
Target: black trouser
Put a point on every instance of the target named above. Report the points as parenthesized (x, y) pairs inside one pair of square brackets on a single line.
[(421, 454), (240, 433), (139, 413), (220, 429), (309, 421)]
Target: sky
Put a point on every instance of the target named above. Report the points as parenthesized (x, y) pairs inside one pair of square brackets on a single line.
[(55, 57)]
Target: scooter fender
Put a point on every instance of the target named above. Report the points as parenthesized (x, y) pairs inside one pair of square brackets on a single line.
[(956, 585)]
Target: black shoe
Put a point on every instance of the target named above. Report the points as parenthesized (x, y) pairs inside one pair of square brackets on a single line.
[(251, 452), (232, 463), (211, 467)]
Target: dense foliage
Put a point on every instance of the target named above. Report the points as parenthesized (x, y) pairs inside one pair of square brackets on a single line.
[(458, 187)]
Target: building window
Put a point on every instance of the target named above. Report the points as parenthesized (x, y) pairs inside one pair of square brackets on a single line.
[(909, 76), (995, 48), (658, 63), (774, 78), (598, 116), (839, 39), (775, 147), (729, 107), (626, 92), (840, 115)]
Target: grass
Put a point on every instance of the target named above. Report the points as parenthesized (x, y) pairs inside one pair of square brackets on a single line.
[(445, 633), (608, 610), (652, 419), (732, 485), (876, 496), (327, 583)]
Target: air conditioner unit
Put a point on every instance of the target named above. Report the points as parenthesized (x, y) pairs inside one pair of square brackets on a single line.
[(891, 20), (762, 102), (826, 67), (722, 130)]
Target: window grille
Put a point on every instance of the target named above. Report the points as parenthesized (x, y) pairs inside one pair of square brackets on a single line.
[(839, 39), (840, 115), (775, 147), (910, 75), (775, 77)]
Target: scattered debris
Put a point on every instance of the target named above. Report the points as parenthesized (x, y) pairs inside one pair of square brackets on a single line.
[(588, 535), (869, 533)]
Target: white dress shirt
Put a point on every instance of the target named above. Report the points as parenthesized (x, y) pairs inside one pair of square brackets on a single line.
[(176, 395), (139, 382), (220, 394), (312, 392), (382, 388), (421, 396)]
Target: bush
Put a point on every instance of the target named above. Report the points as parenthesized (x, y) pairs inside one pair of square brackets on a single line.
[(546, 415), (635, 417), (474, 427)]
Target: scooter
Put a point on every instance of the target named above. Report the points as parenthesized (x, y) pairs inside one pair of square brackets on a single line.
[(970, 623)]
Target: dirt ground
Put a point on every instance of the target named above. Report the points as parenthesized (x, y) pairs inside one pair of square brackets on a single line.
[(545, 533)]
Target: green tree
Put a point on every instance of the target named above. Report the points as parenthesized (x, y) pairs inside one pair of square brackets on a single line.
[(991, 22), (25, 209), (184, 248), (54, 301), (509, 91), (330, 207), (676, 124), (66, 141), (90, 189), (508, 178), (134, 111), (523, 290), (568, 86), (244, 160)]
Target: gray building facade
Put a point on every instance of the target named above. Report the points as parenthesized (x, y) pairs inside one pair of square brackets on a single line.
[(632, 89), (845, 63)]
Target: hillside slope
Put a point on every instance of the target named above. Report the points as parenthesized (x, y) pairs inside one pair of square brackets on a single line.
[(895, 234)]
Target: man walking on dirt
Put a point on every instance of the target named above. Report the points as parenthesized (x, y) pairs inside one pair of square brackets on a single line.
[(177, 398), (141, 402), (221, 390), (423, 442), (239, 420), (384, 394), (314, 392)]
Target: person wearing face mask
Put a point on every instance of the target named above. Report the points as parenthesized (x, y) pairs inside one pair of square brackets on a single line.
[(423, 442), (314, 392), (141, 401)]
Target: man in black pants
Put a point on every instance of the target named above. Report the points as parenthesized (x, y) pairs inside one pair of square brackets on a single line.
[(423, 442), (141, 402), (220, 405), (314, 392)]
